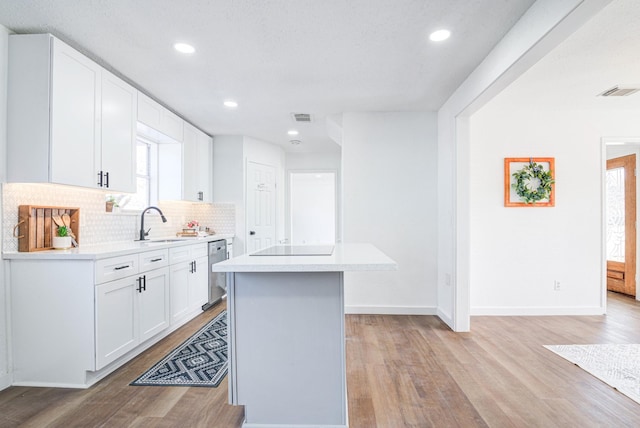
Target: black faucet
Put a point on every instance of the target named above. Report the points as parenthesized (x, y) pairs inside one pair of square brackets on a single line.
[(142, 232)]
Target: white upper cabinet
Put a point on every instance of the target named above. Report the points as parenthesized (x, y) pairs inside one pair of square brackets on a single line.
[(196, 165), (159, 118), (60, 129), (118, 136)]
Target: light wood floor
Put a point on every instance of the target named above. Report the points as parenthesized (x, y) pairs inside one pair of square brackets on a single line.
[(403, 371)]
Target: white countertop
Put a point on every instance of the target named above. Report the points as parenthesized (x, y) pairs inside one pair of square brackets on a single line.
[(112, 249), (345, 257)]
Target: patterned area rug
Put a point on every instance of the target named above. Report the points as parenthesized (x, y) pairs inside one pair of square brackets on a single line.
[(615, 365), (200, 361)]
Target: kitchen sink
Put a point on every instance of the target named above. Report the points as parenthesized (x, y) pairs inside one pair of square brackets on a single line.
[(160, 241)]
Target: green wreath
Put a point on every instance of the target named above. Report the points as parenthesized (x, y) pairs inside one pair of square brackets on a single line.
[(524, 179)]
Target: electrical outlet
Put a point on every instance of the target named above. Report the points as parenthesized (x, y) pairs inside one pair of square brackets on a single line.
[(556, 285)]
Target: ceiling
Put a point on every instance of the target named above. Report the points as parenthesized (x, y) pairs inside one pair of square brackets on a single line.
[(277, 57), (601, 54)]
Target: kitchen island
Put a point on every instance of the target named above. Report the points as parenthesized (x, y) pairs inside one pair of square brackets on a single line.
[(286, 334)]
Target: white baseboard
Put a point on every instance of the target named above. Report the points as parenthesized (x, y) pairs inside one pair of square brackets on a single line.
[(5, 381), (391, 310), (445, 318), (536, 311)]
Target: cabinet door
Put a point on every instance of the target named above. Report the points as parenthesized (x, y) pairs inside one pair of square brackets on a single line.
[(190, 163), (179, 282), (116, 320), (171, 125), (160, 119), (153, 303), (196, 165), (118, 137), (75, 103), (205, 166), (199, 283), (149, 111)]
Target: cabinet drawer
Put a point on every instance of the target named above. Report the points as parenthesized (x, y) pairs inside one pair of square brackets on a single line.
[(116, 267), (187, 253), (199, 250), (180, 254), (153, 259)]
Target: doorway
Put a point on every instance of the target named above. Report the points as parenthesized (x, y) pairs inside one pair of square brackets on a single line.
[(620, 208), (312, 201)]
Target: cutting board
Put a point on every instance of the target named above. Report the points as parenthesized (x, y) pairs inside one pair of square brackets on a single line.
[(36, 227)]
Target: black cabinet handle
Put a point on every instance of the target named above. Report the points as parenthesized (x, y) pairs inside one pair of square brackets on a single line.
[(252, 232), (156, 260), (120, 267), (201, 196), (100, 179), (195, 266), (139, 288), (144, 282), (106, 176)]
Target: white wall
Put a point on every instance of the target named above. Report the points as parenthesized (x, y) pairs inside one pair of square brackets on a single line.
[(541, 28), (389, 197), (228, 181), (517, 253), (301, 162), (230, 156), (5, 377)]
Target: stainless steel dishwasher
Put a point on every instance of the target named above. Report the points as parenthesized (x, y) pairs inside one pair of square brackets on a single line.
[(217, 280)]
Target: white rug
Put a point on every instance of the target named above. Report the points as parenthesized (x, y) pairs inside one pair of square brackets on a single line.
[(615, 365)]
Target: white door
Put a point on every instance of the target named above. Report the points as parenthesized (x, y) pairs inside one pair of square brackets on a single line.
[(312, 198), (261, 206)]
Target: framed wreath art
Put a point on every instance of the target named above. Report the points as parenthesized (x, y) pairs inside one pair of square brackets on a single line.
[(529, 182)]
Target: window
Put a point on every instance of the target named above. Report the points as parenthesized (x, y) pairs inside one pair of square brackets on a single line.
[(146, 152)]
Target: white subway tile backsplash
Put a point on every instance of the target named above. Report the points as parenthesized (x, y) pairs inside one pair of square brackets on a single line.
[(98, 226)]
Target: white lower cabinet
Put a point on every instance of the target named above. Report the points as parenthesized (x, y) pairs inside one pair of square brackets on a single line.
[(189, 280), (91, 316), (128, 312)]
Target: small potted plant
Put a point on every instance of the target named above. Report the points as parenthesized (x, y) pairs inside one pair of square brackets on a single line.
[(111, 205), (62, 240)]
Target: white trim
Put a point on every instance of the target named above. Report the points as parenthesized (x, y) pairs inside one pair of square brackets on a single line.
[(537, 311), (391, 310), (245, 424), (444, 317), (545, 25), (5, 381), (630, 141)]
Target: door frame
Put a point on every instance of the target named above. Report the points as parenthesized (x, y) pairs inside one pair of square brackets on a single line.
[(611, 141)]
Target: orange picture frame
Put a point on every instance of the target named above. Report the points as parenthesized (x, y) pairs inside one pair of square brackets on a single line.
[(511, 165)]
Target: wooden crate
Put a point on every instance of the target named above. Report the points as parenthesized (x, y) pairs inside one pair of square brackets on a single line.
[(36, 227)]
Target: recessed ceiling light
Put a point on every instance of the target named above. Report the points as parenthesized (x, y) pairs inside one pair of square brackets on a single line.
[(440, 35), (230, 104), (184, 48), (292, 132)]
